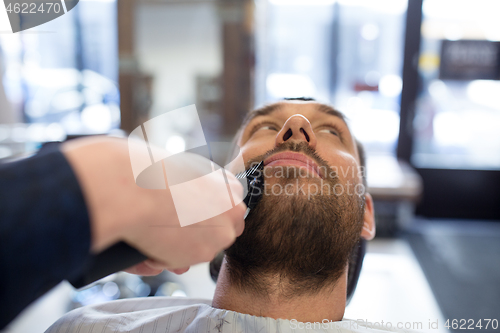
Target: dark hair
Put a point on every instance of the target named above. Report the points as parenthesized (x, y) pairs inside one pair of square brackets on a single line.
[(304, 99)]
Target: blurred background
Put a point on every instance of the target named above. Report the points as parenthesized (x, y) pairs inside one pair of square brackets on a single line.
[(417, 79)]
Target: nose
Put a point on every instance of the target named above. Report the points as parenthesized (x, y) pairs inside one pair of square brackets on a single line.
[(297, 128)]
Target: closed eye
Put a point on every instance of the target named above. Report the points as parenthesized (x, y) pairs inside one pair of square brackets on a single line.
[(264, 126), (332, 130), (268, 127)]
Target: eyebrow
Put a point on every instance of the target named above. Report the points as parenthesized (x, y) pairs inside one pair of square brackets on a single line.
[(263, 111), (332, 112)]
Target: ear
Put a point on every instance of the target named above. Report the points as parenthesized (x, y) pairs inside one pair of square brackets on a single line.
[(368, 231)]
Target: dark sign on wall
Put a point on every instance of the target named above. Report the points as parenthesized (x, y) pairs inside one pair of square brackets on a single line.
[(470, 60)]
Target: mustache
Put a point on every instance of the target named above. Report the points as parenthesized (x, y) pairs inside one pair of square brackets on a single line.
[(302, 147)]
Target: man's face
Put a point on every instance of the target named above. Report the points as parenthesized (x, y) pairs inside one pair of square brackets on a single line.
[(311, 212), (309, 125)]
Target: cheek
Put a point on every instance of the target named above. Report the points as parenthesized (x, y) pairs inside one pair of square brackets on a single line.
[(252, 151), (347, 167)]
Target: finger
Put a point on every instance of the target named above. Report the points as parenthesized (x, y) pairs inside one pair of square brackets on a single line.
[(155, 264), (239, 225), (179, 271), (236, 188), (143, 269)]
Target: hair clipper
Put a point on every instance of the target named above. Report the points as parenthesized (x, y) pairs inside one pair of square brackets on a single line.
[(255, 182)]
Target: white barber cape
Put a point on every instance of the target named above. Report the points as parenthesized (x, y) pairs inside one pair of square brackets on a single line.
[(171, 314)]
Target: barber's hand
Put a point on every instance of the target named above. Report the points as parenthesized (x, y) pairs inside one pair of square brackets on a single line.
[(146, 219), (152, 267)]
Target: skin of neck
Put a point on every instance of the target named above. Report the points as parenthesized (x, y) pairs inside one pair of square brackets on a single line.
[(327, 304)]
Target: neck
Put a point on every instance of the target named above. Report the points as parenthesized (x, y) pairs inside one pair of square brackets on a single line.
[(305, 308)]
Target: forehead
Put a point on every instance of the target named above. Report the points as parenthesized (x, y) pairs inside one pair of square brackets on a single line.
[(285, 109)]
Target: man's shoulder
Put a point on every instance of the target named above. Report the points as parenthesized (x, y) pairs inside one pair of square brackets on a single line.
[(172, 314), (134, 313)]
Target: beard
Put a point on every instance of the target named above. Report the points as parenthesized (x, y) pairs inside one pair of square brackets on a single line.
[(295, 243)]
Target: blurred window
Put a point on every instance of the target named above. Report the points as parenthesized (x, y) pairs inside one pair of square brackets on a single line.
[(344, 52), (65, 71), (457, 118)]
